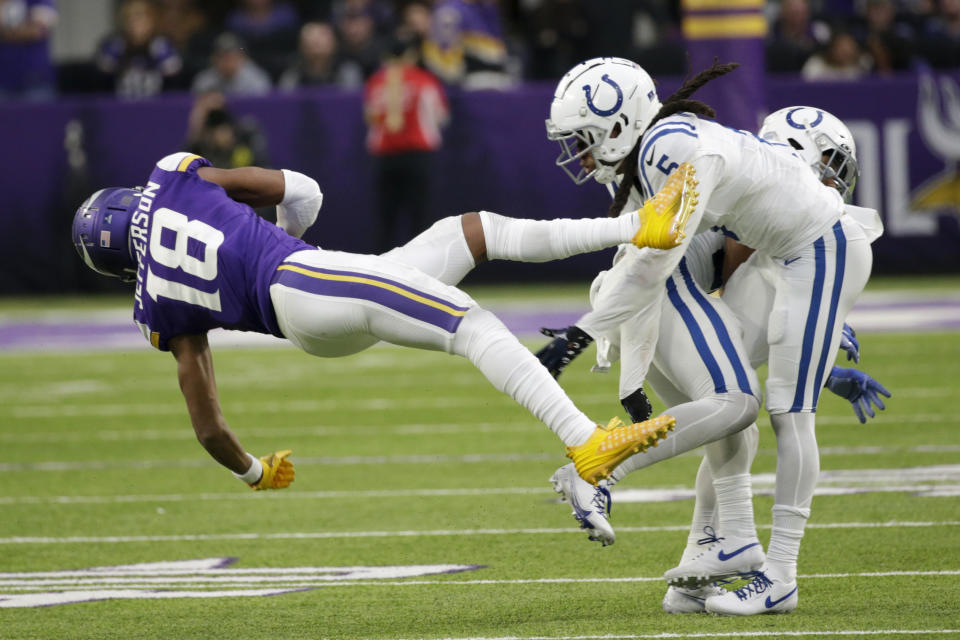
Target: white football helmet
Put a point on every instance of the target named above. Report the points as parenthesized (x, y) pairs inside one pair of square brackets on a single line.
[(821, 139), (601, 107)]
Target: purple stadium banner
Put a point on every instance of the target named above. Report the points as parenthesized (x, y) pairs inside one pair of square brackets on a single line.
[(495, 156)]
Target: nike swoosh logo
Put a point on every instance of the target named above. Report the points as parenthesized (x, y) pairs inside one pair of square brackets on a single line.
[(723, 557), (694, 598), (786, 262), (649, 159), (772, 603)]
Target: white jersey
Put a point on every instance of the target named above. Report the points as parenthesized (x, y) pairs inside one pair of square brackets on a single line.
[(757, 192)]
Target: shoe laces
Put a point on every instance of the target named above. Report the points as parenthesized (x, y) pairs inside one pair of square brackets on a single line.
[(710, 536), (758, 585), (601, 501)]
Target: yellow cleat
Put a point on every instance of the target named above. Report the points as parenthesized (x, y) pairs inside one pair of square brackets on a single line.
[(596, 458), (664, 217)]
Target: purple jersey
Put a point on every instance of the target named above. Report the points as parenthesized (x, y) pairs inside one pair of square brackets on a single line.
[(204, 260)]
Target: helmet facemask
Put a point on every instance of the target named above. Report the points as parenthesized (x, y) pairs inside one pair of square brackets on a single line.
[(576, 145), (836, 164)]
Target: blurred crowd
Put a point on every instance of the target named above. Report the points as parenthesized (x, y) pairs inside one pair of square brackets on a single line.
[(256, 46)]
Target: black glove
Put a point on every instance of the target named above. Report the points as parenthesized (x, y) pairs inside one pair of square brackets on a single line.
[(566, 345)]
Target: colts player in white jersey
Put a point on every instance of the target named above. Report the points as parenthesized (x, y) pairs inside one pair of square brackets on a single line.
[(826, 145), (763, 195), (202, 259), (599, 110)]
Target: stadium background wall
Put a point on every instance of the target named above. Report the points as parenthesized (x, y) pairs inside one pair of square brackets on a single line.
[(495, 156)]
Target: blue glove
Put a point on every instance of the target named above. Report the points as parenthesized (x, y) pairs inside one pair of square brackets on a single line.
[(859, 388), (566, 345), (849, 343)]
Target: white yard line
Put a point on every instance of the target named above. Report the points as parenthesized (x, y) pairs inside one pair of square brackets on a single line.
[(731, 634), (326, 535), (285, 579), (280, 580)]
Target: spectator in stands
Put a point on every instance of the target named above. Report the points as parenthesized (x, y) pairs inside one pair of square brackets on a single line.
[(466, 44), (319, 62), (414, 27), (188, 28), (793, 37), (138, 59), (269, 28), (231, 71), (360, 43), (26, 71), (887, 40), (404, 107), (939, 42), (380, 11), (840, 60), (557, 32), (226, 141)]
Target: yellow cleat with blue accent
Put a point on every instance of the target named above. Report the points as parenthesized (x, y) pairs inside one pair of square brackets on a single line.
[(664, 217), (596, 458)]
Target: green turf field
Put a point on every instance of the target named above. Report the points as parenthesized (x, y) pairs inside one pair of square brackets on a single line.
[(411, 458)]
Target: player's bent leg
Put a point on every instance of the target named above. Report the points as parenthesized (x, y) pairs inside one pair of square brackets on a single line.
[(451, 247), (441, 251), (522, 240), (514, 370), (697, 423)]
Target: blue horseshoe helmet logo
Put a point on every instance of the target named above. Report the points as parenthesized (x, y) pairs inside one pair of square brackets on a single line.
[(793, 123), (614, 108)]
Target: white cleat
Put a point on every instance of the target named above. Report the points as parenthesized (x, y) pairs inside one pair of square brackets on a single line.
[(722, 558), (680, 600), (591, 504), (761, 595)]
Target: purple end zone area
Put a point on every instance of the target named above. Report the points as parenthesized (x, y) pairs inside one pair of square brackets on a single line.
[(882, 312)]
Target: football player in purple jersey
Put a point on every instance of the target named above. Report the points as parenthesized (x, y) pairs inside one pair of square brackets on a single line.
[(201, 259)]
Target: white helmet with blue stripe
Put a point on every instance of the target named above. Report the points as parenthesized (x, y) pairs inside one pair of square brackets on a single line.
[(601, 107), (821, 139)]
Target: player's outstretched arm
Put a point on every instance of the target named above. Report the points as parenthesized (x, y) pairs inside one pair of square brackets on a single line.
[(298, 197), (250, 185), (199, 387)]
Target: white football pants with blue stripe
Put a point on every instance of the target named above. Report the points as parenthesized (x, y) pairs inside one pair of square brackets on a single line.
[(793, 311), (699, 357)]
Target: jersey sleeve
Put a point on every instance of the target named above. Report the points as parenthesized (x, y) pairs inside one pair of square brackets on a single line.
[(182, 161), (161, 319)]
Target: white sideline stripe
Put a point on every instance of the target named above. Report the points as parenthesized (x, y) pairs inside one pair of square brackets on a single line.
[(474, 458), (323, 535), (369, 404), (724, 634), (287, 495), (182, 433), (305, 581), (65, 410), (98, 465)]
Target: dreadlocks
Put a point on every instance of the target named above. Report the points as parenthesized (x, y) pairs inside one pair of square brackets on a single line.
[(679, 101)]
